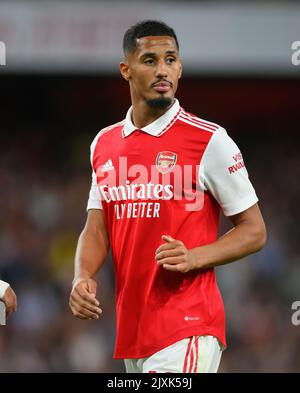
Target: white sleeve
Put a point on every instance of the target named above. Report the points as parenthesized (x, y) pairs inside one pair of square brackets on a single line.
[(94, 201), (3, 287), (223, 173)]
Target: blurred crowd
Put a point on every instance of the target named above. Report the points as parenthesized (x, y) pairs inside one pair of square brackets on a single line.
[(42, 214), (44, 189)]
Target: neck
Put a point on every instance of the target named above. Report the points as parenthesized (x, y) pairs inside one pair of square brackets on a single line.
[(143, 114)]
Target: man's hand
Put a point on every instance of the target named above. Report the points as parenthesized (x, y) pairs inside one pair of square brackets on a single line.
[(83, 302), (10, 300), (174, 256)]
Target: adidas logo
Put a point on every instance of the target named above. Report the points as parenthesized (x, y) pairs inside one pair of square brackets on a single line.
[(108, 166)]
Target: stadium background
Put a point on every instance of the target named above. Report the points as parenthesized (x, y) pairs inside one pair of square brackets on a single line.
[(51, 108)]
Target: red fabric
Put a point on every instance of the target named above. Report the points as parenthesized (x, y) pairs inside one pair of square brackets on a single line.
[(197, 349), (191, 358), (153, 304), (187, 355)]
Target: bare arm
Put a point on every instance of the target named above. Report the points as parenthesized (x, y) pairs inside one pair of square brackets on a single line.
[(8, 296), (91, 252), (93, 246), (247, 236)]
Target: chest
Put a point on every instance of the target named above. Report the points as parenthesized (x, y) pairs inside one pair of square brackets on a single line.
[(175, 153)]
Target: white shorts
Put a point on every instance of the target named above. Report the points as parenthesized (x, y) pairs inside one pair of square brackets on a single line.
[(197, 354)]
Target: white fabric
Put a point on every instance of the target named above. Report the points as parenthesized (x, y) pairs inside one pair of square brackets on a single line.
[(157, 126), (3, 287), (202, 356), (233, 191), (94, 201)]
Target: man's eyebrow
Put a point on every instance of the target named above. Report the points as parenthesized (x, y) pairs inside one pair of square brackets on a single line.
[(153, 54), (148, 54)]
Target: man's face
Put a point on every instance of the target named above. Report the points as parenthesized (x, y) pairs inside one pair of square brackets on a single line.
[(153, 70)]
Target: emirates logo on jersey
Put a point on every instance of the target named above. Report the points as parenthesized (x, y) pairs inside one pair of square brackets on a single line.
[(165, 161)]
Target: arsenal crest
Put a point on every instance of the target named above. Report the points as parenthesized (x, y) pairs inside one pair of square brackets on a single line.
[(165, 161)]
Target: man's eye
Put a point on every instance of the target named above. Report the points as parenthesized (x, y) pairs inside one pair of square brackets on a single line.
[(149, 61), (171, 60)]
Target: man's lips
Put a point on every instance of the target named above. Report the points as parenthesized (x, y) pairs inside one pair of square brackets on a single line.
[(162, 87)]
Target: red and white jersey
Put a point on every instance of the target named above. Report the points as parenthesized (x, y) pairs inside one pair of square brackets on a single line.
[(170, 177)]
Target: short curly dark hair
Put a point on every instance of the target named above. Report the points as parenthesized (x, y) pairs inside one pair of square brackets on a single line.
[(143, 29)]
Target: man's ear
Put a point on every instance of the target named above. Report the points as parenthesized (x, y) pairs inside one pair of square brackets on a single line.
[(180, 72), (124, 69)]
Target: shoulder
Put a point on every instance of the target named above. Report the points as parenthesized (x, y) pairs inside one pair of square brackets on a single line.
[(104, 131), (194, 121), (101, 133), (218, 137)]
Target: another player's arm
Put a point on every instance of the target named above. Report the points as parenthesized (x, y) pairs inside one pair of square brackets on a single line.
[(247, 236), (8, 296), (91, 252)]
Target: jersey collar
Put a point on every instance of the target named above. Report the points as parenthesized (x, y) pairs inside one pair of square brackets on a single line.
[(157, 127)]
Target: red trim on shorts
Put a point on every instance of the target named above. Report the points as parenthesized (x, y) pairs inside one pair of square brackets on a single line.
[(191, 358), (197, 352), (187, 354)]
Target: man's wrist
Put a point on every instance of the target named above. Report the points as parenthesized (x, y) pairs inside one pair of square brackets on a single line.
[(3, 287), (200, 258), (79, 278)]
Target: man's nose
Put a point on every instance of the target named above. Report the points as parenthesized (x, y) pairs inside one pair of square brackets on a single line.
[(161, 69)]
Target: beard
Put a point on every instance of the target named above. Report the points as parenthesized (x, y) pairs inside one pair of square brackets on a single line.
[(159, 103)]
